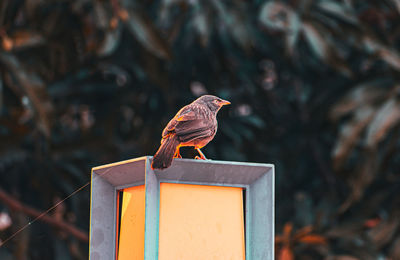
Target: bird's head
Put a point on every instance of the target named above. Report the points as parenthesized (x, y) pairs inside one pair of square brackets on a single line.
[(213, 102)]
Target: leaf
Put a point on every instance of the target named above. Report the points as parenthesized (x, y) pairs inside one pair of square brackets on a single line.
[(145, 32), (5, 221), (25, 39), (365, 94), (277, 15), (339, 10), (287, 231), (200, 23), (244, 131), (382, 234), (228, 130), (285, 254), (361, 179), (110, 42), (396, 3), (386, 117), (373, 222), (350, 133), (253, 120), (303, 232), (101, 14), (236, 24), (279, 240), (349, 230), (292, 34), (313, 239), (317, 42), (35, 91), (389, 55), (395, 249), (6, 43)]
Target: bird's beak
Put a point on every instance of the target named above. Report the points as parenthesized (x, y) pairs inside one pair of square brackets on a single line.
[(224, 102)]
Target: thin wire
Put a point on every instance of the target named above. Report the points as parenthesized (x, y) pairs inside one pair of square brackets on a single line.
[(41, 215)]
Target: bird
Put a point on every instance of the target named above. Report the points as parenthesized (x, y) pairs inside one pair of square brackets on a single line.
[(194, 125)]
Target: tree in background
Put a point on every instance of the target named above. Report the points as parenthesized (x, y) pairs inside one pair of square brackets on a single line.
[(314, 89)]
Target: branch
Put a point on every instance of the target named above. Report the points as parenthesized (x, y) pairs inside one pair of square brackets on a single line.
[(16, 205)]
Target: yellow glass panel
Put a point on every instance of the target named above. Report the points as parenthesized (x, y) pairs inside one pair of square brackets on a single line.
[(131, 238), (201, 222)]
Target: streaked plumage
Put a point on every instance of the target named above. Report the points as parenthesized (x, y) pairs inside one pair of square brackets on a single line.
[(194, 125)]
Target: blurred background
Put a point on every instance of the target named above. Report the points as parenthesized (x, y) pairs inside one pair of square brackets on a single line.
[(314, 86)]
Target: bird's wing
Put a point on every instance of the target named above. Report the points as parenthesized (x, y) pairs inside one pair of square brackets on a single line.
[(191, 122), (169, 128), (195, 134), (185, 113), (196, 127)]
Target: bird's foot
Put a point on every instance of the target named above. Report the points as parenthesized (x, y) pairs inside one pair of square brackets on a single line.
[(202, 156), (177, 155)]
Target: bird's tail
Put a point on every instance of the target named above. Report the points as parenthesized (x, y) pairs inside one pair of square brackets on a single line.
[(165, 154)]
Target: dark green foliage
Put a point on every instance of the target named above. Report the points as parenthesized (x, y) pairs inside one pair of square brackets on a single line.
[(314, 87)]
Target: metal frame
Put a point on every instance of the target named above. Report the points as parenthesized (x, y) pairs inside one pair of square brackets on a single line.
[(257, 179)]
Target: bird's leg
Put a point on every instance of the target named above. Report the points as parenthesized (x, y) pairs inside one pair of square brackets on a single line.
[(202, 157), (177, 154)]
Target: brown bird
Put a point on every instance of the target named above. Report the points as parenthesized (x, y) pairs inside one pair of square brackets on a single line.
[(194, 125)]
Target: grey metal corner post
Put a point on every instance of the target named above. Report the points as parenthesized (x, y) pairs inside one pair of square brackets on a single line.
[(257, 180)]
